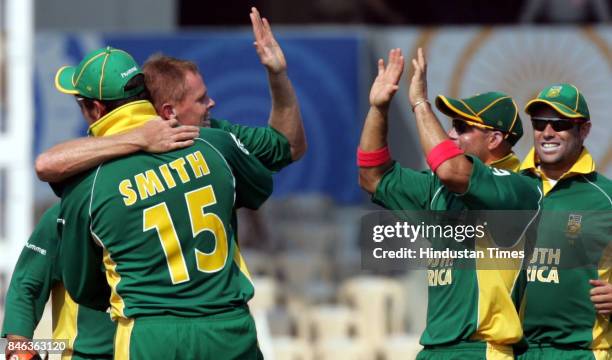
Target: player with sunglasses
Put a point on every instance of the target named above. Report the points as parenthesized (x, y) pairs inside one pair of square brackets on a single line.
[(473, 315), (567, 302)]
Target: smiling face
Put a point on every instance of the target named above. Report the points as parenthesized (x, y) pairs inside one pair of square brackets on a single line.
[(557, 150), (194, 108)]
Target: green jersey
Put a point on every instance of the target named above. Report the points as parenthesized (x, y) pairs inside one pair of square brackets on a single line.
[(466, 303), (38, 274), (573, 246), (164, 225), (267, 144)]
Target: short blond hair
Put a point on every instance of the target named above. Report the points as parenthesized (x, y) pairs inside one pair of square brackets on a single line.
[(165, 78)]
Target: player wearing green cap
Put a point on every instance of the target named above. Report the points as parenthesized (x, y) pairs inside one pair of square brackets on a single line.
[(566, 307), (164, 225), (178, 91), (473, 315), (171, 83)]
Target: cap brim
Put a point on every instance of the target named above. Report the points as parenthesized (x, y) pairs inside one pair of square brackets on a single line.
[(560, 108), (455, 107), (63, 80)]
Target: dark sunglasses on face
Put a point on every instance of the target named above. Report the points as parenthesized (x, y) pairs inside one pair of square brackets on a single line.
[(462, 126), (557, 124)]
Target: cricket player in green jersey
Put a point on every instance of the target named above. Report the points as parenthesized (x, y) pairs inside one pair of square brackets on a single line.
[(275, 146), (179, 95), (566, 307), (164, 225), (473, 315), (36, 276)]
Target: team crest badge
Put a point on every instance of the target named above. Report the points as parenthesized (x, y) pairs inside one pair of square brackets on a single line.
[(554, 91), (574, 224)]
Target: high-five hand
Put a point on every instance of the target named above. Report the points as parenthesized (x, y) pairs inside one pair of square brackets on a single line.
[(270, 53), (386, 83), (417, 92)]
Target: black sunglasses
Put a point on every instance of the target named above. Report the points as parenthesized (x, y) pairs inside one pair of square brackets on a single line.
[(461, 126), (557, 124)]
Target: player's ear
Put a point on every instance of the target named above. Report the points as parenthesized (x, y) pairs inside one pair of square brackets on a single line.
[(584, 130), (496, 138), (167, 111), (96, 110)]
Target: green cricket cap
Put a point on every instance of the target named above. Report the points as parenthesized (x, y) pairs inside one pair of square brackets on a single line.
[(101, 75), (565, 99), (493, 109)]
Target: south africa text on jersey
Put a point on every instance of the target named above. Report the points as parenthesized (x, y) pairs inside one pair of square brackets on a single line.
[(149, 182), (543, 265)]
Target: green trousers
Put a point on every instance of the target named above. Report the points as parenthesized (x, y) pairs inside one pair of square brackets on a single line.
[(536, 352), (230, 335), (468, 350)]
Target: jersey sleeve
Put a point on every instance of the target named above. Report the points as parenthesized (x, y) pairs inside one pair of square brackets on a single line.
[(498, 189), (33, 278), (82, 271), (268, 145), (404, 189), (253, 181)]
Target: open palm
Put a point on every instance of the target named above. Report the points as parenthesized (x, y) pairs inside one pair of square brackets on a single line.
[(270, 53), (386, 83)]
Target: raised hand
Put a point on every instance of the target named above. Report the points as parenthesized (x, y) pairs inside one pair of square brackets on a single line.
[(270, 53), (417, 92), (386, 83)]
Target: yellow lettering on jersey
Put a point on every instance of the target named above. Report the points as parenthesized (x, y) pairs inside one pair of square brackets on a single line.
[(148, 184), (198, 164), (546, 256), (168, 179), (197, 200), (543, 274), (440, 277), (129, 195), (179, 166)]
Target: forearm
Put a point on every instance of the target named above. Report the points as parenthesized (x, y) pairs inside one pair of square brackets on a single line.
[(374, 134), (454, 173), (373, 137), (72, 157), (25, 304), (285, 114)]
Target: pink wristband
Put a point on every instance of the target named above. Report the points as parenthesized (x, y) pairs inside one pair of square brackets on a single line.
[(373, 158), (445, 150)]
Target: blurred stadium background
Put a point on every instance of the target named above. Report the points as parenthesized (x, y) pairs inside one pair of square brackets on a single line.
[(312, 301)]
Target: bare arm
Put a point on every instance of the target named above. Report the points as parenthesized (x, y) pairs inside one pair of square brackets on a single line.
[(285, 114), (374, 133), (72, 157), (453, 173)]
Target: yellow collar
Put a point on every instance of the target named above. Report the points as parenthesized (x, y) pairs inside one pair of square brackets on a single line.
[(509, 162), (123, 118), (584, 165)]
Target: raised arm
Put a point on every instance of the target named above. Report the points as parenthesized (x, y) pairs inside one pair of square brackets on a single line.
[(75, 156), (374, 133), (455, 172), (285, 114)]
